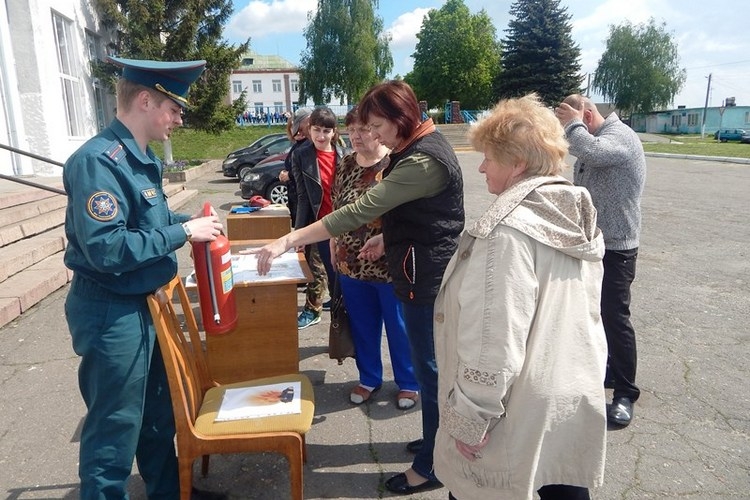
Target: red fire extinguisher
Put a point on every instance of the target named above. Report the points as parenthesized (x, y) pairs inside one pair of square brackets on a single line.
[(213, 272)]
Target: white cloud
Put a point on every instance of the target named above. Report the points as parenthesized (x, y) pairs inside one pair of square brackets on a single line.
[(260, 19), (404, 29)]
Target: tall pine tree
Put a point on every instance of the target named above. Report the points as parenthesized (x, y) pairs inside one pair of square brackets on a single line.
[(347, 51), (539, 54)]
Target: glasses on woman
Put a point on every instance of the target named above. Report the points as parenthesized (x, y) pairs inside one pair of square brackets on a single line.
[(360, 130)]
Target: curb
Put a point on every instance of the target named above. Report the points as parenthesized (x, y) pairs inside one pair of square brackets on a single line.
[(723, 159)]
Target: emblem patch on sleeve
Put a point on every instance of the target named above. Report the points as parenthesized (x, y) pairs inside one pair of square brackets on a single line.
[(102, 206)]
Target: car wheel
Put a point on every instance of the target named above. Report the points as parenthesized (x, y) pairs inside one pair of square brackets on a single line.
[(242, 171), (277, 193)]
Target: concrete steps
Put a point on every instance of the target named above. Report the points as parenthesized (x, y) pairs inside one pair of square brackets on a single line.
[(455, 133), (32, 241)]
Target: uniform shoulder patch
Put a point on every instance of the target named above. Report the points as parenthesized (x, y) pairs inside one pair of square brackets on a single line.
[(115, 151), (102, 206)]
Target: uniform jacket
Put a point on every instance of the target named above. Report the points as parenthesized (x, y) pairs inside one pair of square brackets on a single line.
[(520, 347), (612, 166), (121, 233), (307, 182)]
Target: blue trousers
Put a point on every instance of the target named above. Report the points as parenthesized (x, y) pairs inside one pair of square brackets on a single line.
[(370, 305), (418, 320), (124, 386)]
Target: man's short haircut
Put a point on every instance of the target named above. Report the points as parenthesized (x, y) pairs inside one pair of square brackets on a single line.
[(127, 91)]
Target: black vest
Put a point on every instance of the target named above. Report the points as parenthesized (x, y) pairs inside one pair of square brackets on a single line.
[(421, 236)]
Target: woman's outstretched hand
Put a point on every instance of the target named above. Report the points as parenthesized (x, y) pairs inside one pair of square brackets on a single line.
[(266, 254)]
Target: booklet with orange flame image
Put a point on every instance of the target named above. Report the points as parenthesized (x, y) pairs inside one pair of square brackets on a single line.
[(260, 401)]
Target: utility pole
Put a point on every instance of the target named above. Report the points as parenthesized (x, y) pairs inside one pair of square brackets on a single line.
[(705, 108)]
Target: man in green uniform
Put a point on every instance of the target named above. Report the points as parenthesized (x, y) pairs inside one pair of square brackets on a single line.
[(122, 239)]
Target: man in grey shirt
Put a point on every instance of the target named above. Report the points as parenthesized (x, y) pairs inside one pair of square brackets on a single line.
[(612, 166)]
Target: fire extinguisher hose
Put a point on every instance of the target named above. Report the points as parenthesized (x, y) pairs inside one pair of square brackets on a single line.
[(214, 301)]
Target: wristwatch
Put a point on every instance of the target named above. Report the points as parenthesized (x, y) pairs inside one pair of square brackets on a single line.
[(187, 231)]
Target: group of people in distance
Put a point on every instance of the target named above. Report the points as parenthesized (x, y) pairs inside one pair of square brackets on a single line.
[(507, 330)]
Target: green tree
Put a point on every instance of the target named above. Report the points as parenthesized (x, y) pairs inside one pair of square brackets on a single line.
[(539, 54), (456, 57), (179, 30), (640, 68), (347, 51)]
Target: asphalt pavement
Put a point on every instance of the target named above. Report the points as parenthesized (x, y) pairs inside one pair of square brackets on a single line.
[(691, 308)]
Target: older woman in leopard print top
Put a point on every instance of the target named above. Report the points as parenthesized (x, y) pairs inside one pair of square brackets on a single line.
[(366, 285)]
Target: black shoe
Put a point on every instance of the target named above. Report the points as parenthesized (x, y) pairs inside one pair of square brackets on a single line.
[(399, 485), (620, 412), (197, 494), (414, 446)]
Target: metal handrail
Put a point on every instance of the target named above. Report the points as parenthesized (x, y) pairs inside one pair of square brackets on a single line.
[(31, 183)]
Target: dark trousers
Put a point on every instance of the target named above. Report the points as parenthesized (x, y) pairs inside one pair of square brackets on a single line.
[(619, 273), (419, 329), (556, 492), (124, 385)]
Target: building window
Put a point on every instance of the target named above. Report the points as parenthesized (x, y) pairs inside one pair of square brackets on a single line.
[(747, 116), (676, 120), (237, 86), (276, 85), (295, 85), (278, 107), (257, 87), (69, 78), (258, 108), (692, 119), (94, 44)]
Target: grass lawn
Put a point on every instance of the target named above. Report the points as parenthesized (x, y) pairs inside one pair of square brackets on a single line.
[(694, 145), (190, 145)]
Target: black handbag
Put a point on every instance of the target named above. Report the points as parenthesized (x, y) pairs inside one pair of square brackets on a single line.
[(340, 345)]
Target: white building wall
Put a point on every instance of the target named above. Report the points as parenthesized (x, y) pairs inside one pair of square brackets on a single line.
[(267, 97), (42, 115), (11, 125)]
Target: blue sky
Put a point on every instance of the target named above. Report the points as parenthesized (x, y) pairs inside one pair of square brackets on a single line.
[(712, 37)]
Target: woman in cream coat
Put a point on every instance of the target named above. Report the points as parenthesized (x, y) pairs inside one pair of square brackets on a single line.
[(519, 342)]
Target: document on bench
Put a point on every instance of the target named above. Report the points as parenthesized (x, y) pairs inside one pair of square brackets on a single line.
[(260, 401), (284, 267)]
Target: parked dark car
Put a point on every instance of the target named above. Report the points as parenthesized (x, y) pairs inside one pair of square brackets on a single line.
[(263, 141), (745, 139), (236, 166), (729, 134), (263, 178)]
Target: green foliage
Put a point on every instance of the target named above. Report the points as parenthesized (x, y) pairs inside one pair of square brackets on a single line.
[(178, 30), (347, 51), (456, 57), (640, 68), (539, 54)]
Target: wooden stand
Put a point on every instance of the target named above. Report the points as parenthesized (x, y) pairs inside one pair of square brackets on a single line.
[(265, 224), (265, 342)]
